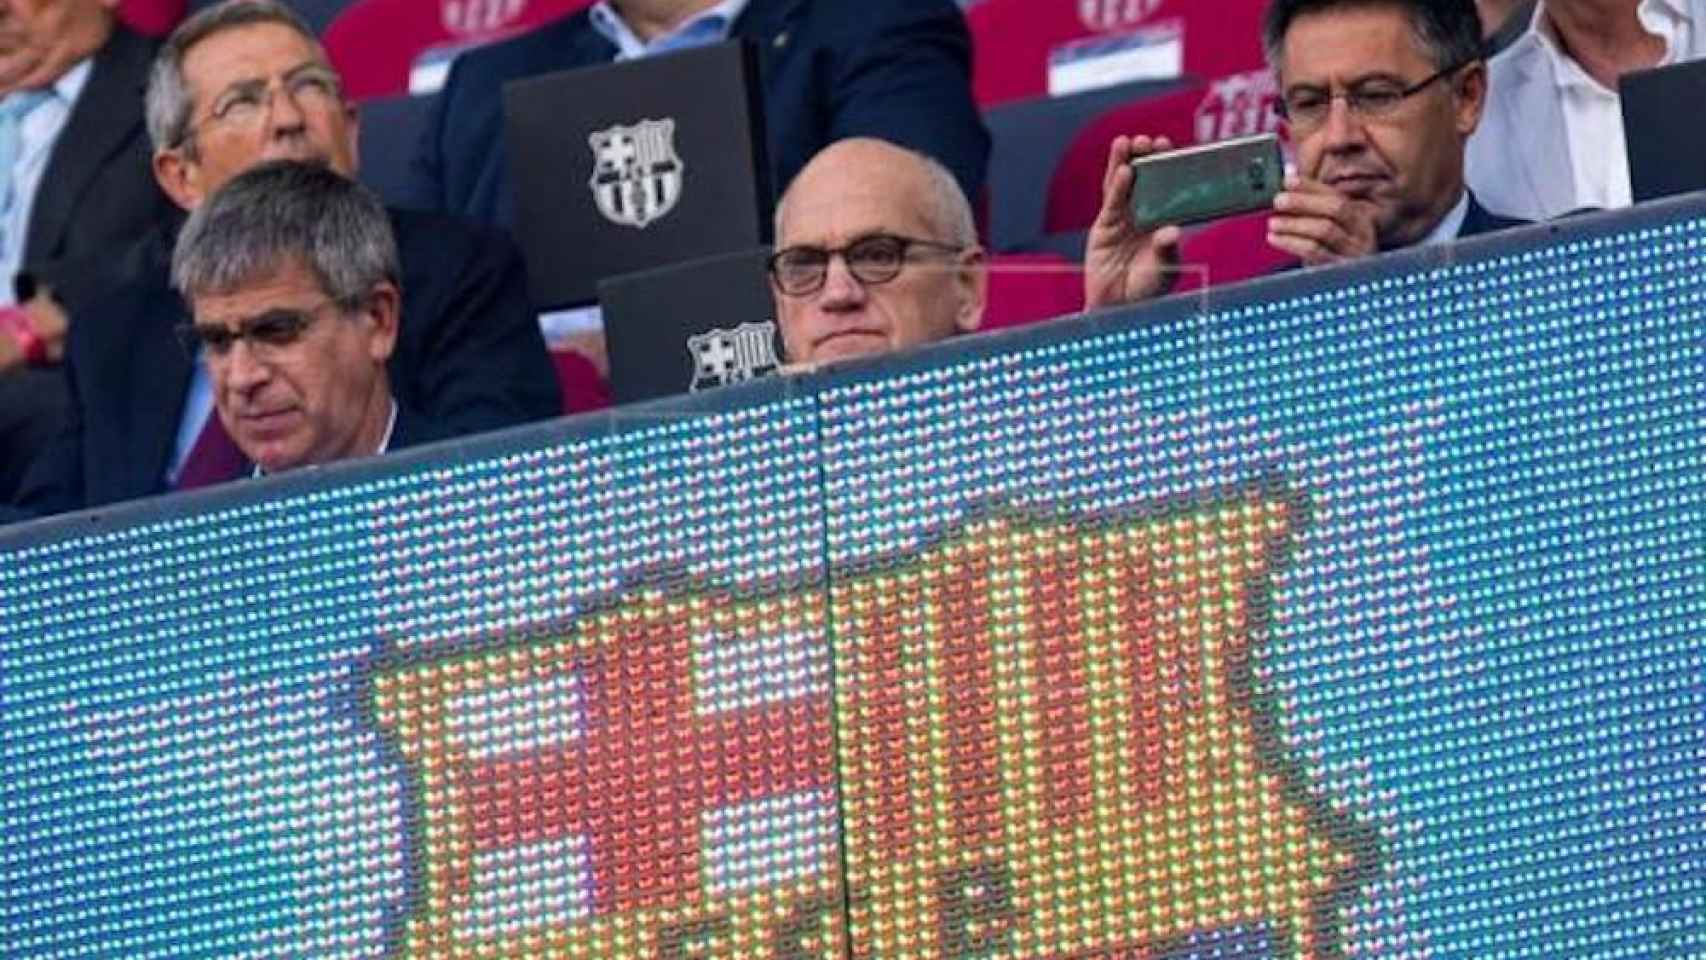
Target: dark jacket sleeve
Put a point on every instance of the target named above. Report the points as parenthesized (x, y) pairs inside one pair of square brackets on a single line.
[(901, 70), (54, 482), (471, 357)]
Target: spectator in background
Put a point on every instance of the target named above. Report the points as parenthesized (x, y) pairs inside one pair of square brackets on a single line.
[(236, 85), (1553, 138), (291, 274), (1502, 21), (1380, 97), (74, 183), (875, 251), (896, 69)]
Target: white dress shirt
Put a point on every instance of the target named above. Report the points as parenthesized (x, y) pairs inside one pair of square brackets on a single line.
[(40, 131), (1450, 225)]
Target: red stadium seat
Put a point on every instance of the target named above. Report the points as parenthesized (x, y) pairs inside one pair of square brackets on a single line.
[(1013, 38), (1026, 288), (375, 43), (583, 387), (153, 18), (1228, 251)]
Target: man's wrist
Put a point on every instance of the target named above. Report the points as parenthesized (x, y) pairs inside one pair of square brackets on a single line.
[(16, 324)]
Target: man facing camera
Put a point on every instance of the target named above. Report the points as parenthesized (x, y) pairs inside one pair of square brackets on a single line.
[(234, 86), (292, 277), (876, 250), (1380, 97)]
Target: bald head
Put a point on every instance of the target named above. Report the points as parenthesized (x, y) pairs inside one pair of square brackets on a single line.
[(859, 189)]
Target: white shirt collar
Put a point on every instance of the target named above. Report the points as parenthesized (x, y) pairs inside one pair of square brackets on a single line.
[(1665, 19), (629, 46), (1450, 225), (384, 442)]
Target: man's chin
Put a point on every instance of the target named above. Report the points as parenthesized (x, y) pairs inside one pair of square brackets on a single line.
[(846, 346)]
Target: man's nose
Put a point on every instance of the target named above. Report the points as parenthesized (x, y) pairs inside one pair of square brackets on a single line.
[(242, 370), (284, 113), (840, 287), (1343, 127)]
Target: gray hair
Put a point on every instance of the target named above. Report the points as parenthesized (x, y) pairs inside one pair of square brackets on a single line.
[(168, 102), (945, 206), (284, 211)]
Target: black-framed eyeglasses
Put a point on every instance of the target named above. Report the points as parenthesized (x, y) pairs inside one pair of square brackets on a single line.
[(801, 271), (266, 333), (1307, 108), (245, 104)]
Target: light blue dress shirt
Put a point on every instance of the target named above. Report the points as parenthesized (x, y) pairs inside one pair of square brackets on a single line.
[(40, 131)]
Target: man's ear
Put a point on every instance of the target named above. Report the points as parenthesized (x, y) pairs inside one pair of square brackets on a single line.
[(383, 312), (178, 177), (973, 284), (1471, 99)]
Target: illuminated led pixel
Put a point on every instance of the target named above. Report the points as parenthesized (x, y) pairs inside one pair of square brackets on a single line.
[(1351, 615)]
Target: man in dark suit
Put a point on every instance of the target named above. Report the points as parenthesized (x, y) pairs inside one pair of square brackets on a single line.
[(832, 69), (236, 85), (295, 321), (1381, 97), (74, 183)]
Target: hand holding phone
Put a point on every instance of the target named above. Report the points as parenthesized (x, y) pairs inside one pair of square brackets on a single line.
[(1122, 263)]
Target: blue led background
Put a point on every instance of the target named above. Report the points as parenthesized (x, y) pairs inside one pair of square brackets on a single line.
[(1485, 647)]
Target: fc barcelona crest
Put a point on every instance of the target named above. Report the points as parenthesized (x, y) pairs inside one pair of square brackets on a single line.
[(636, 176)]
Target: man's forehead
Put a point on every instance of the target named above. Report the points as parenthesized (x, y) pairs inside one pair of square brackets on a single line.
[(289, 286), (829, 216), (248, 51)]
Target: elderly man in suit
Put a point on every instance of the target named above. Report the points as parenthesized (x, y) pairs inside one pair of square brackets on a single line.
[(832, 69), (74, 183), (1381, 97), (234, 86)]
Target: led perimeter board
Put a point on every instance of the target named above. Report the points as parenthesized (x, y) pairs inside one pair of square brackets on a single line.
[(1355, 613)]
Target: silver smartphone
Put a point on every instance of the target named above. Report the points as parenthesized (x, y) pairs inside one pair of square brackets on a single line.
[(1207, 182)]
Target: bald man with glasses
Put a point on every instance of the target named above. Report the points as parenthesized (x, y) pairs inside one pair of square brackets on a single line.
[(876, 251), (1381, 97)]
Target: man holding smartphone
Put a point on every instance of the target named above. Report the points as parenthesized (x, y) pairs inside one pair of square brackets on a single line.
[(1380, 97)]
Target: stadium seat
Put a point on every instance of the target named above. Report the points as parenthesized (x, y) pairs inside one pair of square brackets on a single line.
[(583, 387), (1013, 39), (1026, 288), (1228, 251), (154, 18), (375, 43)]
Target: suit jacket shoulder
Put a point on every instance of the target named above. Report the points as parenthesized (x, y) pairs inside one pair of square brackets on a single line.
[(469, 351), (459, 166), (98, 194), (1480, 220)]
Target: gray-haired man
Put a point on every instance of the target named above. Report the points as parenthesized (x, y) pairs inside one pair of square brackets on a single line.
[(291, 273)]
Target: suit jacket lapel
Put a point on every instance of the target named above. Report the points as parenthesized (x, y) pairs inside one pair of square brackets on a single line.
[(96, 127), (161, 372), (767, 21)]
